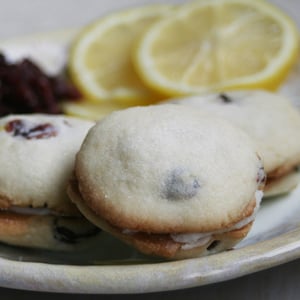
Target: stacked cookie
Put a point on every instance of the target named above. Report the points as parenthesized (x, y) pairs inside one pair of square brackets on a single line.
[(169, 180), (270, 120), (37, 156)]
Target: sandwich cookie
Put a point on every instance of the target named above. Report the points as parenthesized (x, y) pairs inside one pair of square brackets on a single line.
[(169, 180), (271, 120), (37, 155)]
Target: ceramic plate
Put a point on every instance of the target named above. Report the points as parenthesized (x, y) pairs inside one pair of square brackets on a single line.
[(111, 267)]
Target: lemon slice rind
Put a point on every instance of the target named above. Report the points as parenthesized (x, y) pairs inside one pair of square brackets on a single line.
[(270, 77), (84, 78)]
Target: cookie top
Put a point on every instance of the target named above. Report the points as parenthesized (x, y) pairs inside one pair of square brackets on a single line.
[(267, 117), (37, 156), (168, 168)]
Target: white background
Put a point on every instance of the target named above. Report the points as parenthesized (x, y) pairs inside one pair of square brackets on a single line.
[(19, 17)]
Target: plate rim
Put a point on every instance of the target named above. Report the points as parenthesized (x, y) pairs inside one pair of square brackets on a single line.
[(146, 278)]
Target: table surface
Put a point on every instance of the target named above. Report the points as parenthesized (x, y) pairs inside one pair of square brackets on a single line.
[(31, 16)]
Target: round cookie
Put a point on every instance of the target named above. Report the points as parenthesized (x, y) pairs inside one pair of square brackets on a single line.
[(37, 154), (169, 180), (37, 157), (270, 119)]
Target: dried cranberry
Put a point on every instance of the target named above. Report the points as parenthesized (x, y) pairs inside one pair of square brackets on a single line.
[(261, 176), (19, 128), (225, 98), (25, 88), (66, 230), (179, 184)]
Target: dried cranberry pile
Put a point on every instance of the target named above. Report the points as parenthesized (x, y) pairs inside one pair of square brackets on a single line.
[(25, 88)]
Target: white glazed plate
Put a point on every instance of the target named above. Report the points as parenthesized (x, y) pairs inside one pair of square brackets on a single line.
[(110, 266)]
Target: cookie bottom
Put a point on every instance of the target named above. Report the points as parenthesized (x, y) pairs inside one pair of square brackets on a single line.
[(165, 246), (162, 245), (46, 232), (282, 185)]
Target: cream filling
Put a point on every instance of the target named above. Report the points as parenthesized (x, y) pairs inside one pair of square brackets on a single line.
[(192, 240), (30, 211)]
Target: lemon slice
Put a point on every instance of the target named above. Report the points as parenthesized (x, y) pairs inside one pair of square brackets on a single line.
[(100, 58), (218, 45), (90, 111)]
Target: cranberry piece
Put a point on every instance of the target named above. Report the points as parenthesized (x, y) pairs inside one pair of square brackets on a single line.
[(179, 184), (19, 128), (66, 230), (261, 176), (225, 98), (25, 88)]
